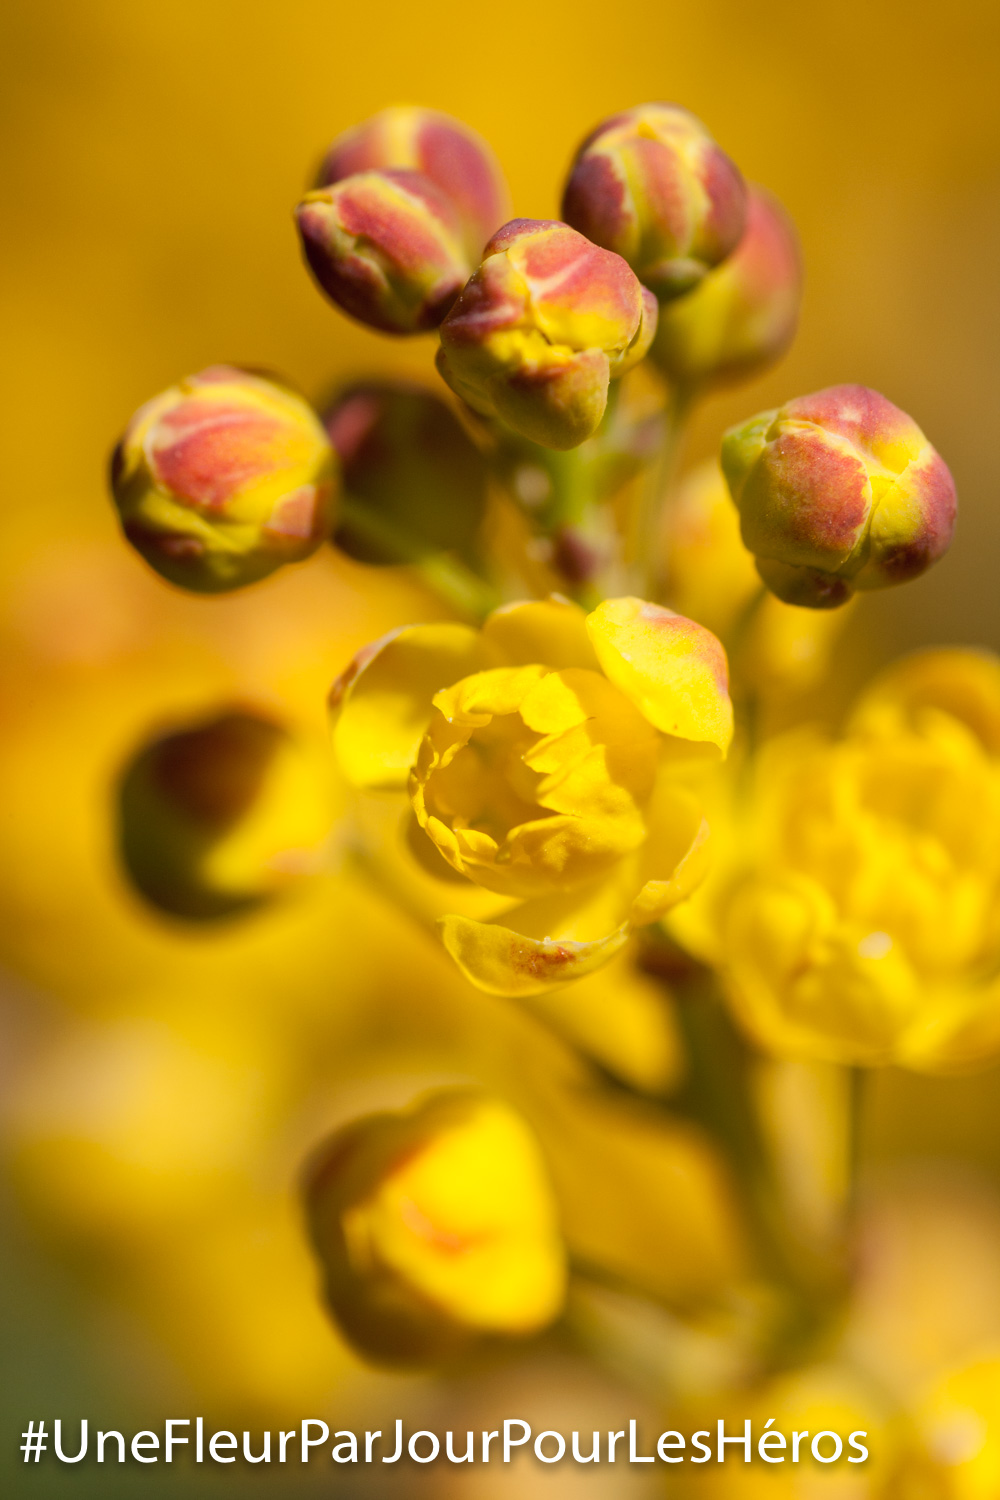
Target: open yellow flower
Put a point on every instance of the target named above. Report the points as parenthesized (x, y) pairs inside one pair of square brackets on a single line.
[(540, 759), (866, 926)]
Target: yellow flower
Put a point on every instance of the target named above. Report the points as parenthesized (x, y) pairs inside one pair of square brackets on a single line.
[(865, 925), (539, 756), (436, 1226)]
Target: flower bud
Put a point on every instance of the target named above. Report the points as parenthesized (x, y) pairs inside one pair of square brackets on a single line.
[(223, 478), (414, 482), (455, 158), (540, 330), (653, 186), (223, 815), (838, 491), (436, 1226), (742, 316), (386, 247)]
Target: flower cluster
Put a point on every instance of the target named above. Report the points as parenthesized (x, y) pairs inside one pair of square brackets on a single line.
[(540, 777)]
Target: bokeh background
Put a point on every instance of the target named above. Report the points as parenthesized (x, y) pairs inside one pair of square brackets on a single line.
[(160, 1088)]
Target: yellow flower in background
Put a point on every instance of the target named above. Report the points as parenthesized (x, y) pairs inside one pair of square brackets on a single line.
[(864, 925), (540, 759), (436, 1226)]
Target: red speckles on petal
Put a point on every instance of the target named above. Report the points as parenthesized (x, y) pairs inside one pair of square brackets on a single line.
[(206, 452), (539, 962)]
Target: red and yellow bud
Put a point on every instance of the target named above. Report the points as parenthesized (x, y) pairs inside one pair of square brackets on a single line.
[(838, 491), (386, 247), (652, 185), (545, 324), (414, 482), (455, 158), (223, 478), (743, 315), (223, 815), (436, 1227)]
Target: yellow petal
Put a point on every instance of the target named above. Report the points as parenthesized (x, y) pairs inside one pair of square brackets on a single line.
[(679, 846), (383, 702), (672, 669), (553, 631), (503, 962)]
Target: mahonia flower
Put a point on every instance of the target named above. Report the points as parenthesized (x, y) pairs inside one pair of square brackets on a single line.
[(413, 480), (386, 247), (542, 327), (653, 186), (538, 755), (742, 316), (223, 815), (223, 478), (435, 1227), (454, 158), (838, 491), (861, 921)]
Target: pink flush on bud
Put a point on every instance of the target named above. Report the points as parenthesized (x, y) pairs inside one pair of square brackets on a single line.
[(453, 157), (541, 328), (838, 491), (223, 478), (386, 246), (652, 185)]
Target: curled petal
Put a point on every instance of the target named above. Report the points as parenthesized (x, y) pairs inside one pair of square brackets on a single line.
[(382, 702), (672, 669), (503, 962), (683, 847)]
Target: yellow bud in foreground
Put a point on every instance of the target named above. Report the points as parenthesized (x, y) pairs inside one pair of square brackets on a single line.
[(436, 1227), (223, 815)]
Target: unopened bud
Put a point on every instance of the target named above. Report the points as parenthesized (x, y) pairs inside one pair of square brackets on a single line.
[(223, 478), (543, 326), (455, 158), (223, 815), (652, 185), (838, 491), (386, 247), (742, 316), (414, 482), (436, 1226)]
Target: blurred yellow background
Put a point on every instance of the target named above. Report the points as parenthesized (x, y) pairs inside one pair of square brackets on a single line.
[(161, 1088)]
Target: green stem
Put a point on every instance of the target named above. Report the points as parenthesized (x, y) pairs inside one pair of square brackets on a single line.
[(444, 572), (719, 1094), (645, 540)]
